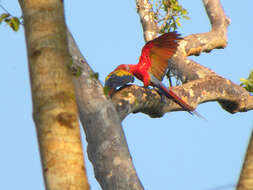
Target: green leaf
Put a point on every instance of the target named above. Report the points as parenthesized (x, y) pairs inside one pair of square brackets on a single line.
[(13, 22), (178, 22), (243, 80), (165, 2), (175, 8), (3, 16), (186, 17), (172, 10), (248, 83), (184, 12)]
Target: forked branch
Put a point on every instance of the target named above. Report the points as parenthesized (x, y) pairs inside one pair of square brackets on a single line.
[(200, 84)]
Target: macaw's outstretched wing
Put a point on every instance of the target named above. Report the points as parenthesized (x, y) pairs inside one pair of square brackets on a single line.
[(161, 50)]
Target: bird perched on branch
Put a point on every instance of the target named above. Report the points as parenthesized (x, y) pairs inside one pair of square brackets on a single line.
[(151, 68)]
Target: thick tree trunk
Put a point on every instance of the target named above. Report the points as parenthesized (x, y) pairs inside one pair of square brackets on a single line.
[(107, 147), (246, 178), (54, 104)]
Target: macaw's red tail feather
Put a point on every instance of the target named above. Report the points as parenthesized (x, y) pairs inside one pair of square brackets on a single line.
[(170, 94), (199, 115)]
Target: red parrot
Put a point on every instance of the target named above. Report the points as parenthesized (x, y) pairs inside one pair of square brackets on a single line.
[(153, 64)]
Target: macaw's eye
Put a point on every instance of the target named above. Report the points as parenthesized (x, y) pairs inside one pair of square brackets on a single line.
[(118, 78)]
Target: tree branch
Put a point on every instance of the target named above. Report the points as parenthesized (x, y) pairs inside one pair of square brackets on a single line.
[(194, 44), (216, 38), (107, 147), (134, 99), (150, 28), (200, 84)]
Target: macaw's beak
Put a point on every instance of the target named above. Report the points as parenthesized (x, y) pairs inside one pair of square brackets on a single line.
[(117, 79)]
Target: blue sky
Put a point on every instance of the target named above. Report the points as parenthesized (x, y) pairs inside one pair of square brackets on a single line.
[(178, 151)]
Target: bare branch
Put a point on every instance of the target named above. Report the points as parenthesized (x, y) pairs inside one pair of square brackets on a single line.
[(216, 38), (134, 99), (193, 44), (150, 29), (196, 43), (200, 83), (107, 147)]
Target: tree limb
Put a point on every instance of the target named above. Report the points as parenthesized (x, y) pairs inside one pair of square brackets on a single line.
[(150, 28), (200, 84), (134, 99), (107, 147), (204, 42), (216, 38)]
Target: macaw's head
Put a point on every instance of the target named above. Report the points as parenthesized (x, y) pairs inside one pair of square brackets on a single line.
[(116, 79)]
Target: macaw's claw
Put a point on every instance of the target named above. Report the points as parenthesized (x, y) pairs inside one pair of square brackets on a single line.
[(163, 97)]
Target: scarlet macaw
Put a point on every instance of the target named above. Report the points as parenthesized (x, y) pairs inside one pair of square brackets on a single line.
[(152, 67)]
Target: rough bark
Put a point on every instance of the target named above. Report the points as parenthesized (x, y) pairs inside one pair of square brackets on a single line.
[(107, 147), (54, 100), (216, 38), (200, 84), (134, 99), (54, 105), (150, 29)]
